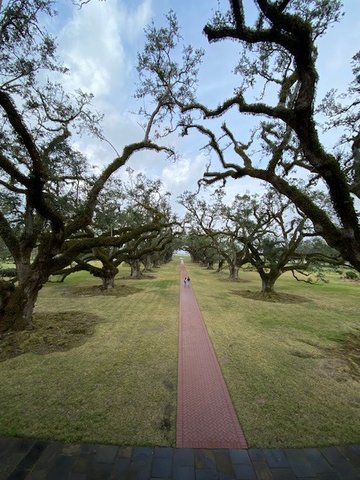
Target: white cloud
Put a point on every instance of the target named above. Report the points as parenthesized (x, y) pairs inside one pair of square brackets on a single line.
[(92, 45), (183, 174)]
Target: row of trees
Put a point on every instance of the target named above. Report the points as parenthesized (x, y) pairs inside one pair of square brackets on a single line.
[(49, 197), (52, 217), (266, 232), (278, 59)]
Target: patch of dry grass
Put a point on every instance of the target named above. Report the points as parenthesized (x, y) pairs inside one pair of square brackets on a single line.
[(51, 333)]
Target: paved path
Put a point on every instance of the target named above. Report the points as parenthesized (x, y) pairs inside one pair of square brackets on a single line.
[(205, 414)]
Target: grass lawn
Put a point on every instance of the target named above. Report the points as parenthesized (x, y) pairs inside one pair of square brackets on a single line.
[(292, 369), (119, 385)]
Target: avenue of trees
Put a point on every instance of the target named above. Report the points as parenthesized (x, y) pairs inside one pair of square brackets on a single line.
[(265, 232), (57, 216), (48, 194), (278, 59)]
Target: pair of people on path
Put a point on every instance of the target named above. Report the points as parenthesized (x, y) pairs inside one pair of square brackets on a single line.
[(187, 282)]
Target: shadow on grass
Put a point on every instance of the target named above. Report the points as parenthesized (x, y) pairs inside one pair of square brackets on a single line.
[(96, 290), (273, 297), (341, 361), (51, 332)]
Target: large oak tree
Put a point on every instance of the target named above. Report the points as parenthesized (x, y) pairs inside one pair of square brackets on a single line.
[(277, 84), (48, 197)]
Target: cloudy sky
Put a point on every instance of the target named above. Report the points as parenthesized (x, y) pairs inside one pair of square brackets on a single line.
[(100, 41)]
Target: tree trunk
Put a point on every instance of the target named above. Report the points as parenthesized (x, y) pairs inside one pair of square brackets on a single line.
[(210, 265), (148, 264), (135, 269), (18, 307), (234, 272), (108, 282), (267, 284), (220, 266)]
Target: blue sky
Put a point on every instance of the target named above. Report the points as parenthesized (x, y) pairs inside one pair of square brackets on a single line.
[(100, 41)]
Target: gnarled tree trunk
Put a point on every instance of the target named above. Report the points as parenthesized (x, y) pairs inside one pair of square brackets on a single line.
[(18, 304), (135, 271), (233, 272)]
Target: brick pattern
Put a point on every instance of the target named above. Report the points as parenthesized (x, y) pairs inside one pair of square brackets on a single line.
[(205, 414)]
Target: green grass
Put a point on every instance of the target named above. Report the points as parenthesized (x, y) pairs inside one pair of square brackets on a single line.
[(117, 387), (292, 369)]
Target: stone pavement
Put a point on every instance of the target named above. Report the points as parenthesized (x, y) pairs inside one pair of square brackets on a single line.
[(39, 460)]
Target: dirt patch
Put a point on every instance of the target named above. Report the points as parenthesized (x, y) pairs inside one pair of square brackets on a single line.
[(340, 362), (274, 297), (349, 352), (52, 332), (97, 290), (165, 422)]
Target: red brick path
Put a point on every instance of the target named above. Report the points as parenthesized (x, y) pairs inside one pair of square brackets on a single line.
[(205, 414)]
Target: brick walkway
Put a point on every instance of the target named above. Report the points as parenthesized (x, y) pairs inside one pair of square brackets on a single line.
[(205, 414)]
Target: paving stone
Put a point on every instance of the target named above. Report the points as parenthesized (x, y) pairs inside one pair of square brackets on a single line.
[(49, 456), (282, 474), (340, 464), (328, 476), (239, 456), (125, 452), (13, 455), (206, 474), (223, 462), (184, 456), (138, 471), (120, 467), (26, 464), (299, 463), (72, 450), (227, 476), (142, 453), (184, 472), (61, 468), (100, 471), (37, 475), (204, 459), (89, 448), (106, 454), (262, 470), (77, 476), (82, 464), (256, 454), (164, 452), (276, 458), (317, 461), (161, 467), (244, 472), (351, 455)]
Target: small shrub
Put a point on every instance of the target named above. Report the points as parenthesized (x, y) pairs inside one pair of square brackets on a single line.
[(350, 275), (7, 272)]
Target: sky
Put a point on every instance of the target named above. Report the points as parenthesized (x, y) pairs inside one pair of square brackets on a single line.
[(100, 41)]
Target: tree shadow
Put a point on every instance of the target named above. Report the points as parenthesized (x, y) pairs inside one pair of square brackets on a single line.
[(98, 290), (273, 297)]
